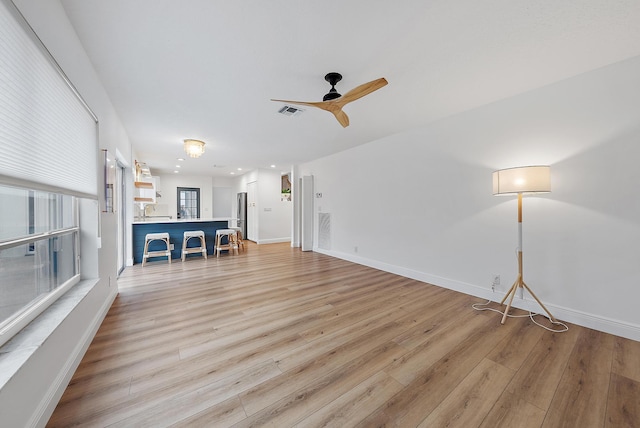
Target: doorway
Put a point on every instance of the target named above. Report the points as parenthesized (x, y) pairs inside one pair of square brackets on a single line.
[(122, 215), (306, 213), (252, 211)]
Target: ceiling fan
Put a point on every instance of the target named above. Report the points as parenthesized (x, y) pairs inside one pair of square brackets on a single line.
[(333, 101)]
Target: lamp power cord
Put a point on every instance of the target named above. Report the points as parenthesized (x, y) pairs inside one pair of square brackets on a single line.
[(483, 307)]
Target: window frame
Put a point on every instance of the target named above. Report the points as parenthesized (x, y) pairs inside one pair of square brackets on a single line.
[(179, 191), (19, 320)]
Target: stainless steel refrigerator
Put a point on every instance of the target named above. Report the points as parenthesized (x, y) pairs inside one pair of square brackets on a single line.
[(242, 213)]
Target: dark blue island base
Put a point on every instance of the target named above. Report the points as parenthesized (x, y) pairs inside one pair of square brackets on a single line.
[(176, 229)]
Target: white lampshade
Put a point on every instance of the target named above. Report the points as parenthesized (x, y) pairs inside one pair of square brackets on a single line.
[(194, 148), (525, 179)]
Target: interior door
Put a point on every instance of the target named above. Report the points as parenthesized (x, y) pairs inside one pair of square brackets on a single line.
[(252, 211), (306, 213)]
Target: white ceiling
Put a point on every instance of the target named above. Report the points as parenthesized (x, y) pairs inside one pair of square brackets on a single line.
[(207, 69)]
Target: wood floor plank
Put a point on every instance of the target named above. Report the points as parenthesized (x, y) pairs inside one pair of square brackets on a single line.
[(318, 393), (511, 411), (446, 333), (194, 371), (251, 336), (184, 405), (300, 376), (429, 320), (344, 315), (581, 399), (337, 341), (222, 415), (354, 405), (435, 382), (626, 358), (278, 337), (623, 405), (81, 400), (470, 401), (515, 348), (539, 376)]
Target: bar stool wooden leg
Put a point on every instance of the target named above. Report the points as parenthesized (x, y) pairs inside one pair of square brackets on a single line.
[(145, 252)]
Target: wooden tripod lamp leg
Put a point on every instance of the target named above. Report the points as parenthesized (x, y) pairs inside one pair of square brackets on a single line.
[(539, 302), (510, 294), (519, 283)]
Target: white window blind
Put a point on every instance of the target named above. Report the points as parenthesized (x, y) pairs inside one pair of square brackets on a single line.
[(48, 136)]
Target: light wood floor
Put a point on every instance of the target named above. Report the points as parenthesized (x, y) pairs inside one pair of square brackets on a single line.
[(277, 337)]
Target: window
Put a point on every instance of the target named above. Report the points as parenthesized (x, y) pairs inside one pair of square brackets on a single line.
[(38, 252), (188, 202), (48, 147)]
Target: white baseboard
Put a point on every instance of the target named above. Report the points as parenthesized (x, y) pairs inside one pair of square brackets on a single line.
[(273, 240), (596, 322), (56, 389)]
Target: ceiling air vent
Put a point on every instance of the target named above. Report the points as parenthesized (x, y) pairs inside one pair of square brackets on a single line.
[(290, 111)]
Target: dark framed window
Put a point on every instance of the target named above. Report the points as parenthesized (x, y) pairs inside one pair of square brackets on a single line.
[(188, 202)]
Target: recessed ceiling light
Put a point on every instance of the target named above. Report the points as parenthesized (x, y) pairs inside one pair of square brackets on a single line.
[(273, 166), (175, 172), (178, 166), (180, 159), (232, 173), (239, 169)]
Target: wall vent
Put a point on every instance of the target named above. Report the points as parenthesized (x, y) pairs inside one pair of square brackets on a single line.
[(290, 111), (324, 231)]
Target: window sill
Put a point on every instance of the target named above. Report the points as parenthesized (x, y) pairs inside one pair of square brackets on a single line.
[(17, 351)]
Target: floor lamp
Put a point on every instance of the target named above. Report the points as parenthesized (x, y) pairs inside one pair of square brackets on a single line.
[(516, 181)]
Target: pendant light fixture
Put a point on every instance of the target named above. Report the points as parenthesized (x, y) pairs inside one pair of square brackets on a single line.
[(194, 148)]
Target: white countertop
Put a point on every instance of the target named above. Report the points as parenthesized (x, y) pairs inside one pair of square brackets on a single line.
[(182, 220)]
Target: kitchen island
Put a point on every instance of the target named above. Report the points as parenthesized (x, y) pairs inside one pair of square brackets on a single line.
[(175, 229)]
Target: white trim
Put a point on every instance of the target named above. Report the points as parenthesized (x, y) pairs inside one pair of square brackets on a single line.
[(25, 317), (596, 322), (50, 400), (123, 161), (272, 241)]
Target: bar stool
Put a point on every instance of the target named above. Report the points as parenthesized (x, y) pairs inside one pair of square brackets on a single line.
[(231, 245), (188, 234), (239, 239), (164, 237)]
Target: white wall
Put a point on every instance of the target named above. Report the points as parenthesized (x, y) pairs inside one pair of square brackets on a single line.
[(274, 215), (170, 183), (224, 197), (35, 390), (420, 203)]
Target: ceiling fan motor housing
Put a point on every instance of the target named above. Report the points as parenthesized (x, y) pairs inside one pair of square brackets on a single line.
[(332, 78)]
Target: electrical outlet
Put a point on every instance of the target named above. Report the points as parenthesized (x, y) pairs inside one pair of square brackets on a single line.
[(496, 282), (355, 249)]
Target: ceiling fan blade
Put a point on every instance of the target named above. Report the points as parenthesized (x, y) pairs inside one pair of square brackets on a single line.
[(362, 90), (335, 105), (304, 103), (330, 106), (342, 117)]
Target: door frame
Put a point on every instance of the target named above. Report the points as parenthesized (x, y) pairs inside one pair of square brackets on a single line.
[(306, 213)]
